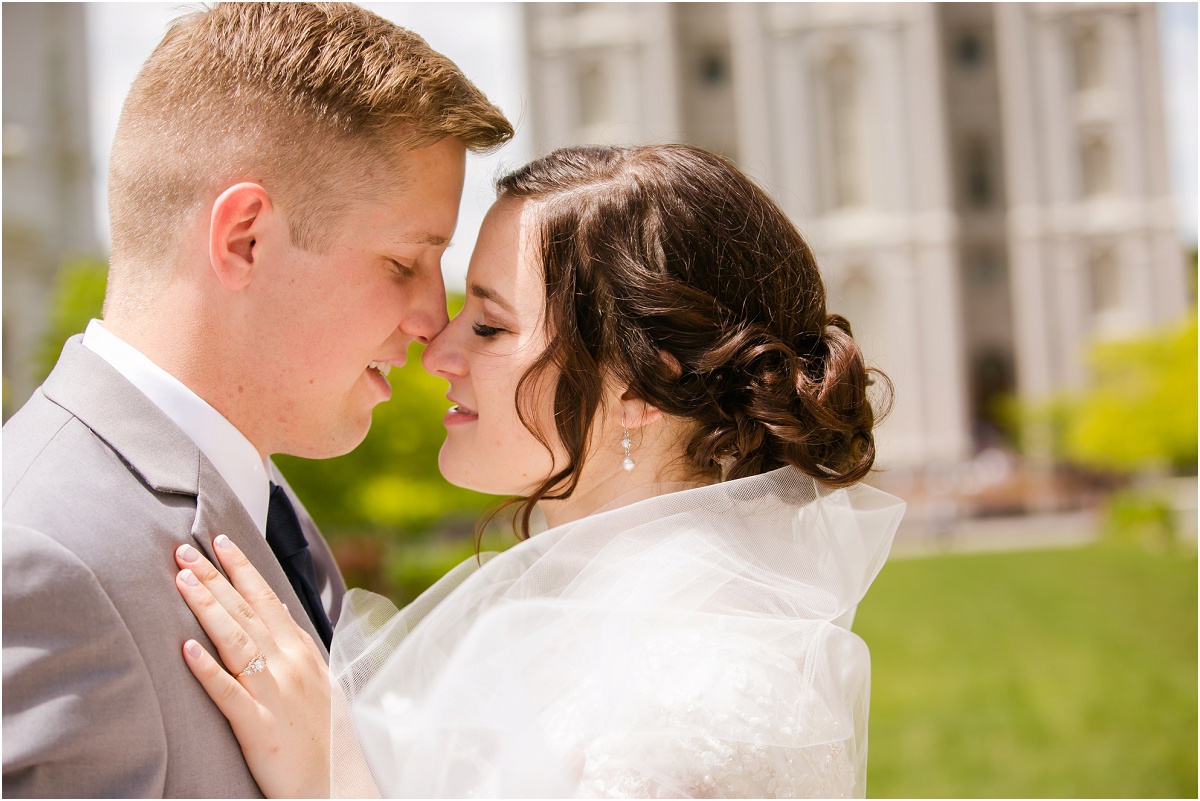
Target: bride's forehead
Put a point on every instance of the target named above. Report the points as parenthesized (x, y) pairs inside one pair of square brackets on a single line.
[(507, 267)]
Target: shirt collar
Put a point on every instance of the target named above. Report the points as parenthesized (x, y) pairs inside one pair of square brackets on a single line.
[(231, 453)]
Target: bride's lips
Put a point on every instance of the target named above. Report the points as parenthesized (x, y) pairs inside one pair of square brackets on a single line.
[(459, 415)]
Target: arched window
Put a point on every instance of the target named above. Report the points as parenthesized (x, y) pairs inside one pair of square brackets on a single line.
[(1088, 60), (844, 96), (969, 52), (712, 68), (985, 271), (1096, 165), (977, 172), (1104, 282), (594, 98), (856, 300), (991, 380)]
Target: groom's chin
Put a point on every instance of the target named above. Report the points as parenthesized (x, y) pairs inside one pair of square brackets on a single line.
[(331, 441), (348, 441)]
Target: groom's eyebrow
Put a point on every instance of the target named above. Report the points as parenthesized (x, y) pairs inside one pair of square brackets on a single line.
[(431, 239), (490, 294)]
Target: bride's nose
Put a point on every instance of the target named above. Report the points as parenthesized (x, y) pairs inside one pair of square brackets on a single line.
[(443, 355)]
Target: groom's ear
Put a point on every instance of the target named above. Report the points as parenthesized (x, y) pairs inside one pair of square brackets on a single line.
[(241, 216)]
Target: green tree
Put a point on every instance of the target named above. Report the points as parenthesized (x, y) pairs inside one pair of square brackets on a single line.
[(78, 297), (1140, 413)]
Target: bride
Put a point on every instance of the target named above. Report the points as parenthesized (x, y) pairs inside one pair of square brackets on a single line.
[(646, 362)]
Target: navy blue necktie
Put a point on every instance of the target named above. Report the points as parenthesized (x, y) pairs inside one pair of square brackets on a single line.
[(287, 541)]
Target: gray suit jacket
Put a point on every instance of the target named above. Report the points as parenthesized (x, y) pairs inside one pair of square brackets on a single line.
[(100, 488)]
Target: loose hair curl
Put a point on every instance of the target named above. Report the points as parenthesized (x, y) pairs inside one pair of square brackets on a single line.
[(670, 271)]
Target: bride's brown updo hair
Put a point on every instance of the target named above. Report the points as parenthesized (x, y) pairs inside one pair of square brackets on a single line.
[(669, 270)]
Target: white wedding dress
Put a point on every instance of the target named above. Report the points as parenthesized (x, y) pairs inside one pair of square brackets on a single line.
[(695, 644)]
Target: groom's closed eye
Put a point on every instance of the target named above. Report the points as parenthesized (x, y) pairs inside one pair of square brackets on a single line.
[(401, 269)]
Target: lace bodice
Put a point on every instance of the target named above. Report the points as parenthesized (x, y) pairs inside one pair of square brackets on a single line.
[(719, 722)]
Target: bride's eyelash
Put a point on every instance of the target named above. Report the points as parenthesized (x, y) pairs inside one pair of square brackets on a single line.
[(485, 331)]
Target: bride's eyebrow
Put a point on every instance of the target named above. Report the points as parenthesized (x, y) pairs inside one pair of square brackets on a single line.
[(491, 294)]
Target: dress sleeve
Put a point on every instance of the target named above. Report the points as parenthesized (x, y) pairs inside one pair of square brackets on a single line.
[(73, 679)]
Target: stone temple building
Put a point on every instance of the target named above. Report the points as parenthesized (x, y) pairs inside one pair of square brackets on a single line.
[(985, 185)]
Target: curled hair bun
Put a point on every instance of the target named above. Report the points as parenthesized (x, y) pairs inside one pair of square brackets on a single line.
[(670, 270), (772, 403)]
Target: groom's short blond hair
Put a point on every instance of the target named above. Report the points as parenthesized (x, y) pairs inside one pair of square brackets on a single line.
[(295, 96)]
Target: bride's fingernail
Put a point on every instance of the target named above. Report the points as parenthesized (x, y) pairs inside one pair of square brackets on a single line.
[(187, 553), (223, 542), (189, 578), (193, 649)]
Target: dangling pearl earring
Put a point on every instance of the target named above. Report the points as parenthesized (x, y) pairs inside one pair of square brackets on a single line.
[(626, 443)]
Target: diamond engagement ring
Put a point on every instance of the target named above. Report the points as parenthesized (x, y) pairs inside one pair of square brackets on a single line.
[(257, 665)]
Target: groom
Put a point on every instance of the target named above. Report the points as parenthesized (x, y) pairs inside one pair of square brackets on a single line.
[(284, 180)]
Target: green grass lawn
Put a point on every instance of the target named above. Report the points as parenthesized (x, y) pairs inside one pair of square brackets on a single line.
[(1036, 674)]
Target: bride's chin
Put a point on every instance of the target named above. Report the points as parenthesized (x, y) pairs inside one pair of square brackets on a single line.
[(462, 466), (452, 471), (469, 475)]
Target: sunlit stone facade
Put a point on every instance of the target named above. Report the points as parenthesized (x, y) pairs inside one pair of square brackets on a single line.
[(985, 185)]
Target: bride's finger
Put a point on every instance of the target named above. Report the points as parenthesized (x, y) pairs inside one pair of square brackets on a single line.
[(226, 594), (234, 645), (253, 587), (227, 693)]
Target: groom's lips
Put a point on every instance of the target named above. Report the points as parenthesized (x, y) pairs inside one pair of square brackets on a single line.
[(378, 371)]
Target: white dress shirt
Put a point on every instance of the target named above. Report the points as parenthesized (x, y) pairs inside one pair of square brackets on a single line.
[(231, 453)]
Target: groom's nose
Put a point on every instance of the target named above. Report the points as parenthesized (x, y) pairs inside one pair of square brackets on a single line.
[(426, 315)]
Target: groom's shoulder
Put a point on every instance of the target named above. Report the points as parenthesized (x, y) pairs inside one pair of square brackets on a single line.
[(28, 432), (63, 480), (51, 455), (44, 435)]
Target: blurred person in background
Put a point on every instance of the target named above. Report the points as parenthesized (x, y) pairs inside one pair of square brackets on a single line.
[(284, 179), (645, 355)]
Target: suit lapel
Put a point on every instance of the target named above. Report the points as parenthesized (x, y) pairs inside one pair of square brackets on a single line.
[(165, 458), (151, 444), (218, 511)]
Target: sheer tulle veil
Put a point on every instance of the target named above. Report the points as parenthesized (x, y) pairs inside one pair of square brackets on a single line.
[(696, 643)]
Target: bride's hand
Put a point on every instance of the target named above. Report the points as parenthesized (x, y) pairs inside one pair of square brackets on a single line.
[(280, 714)]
